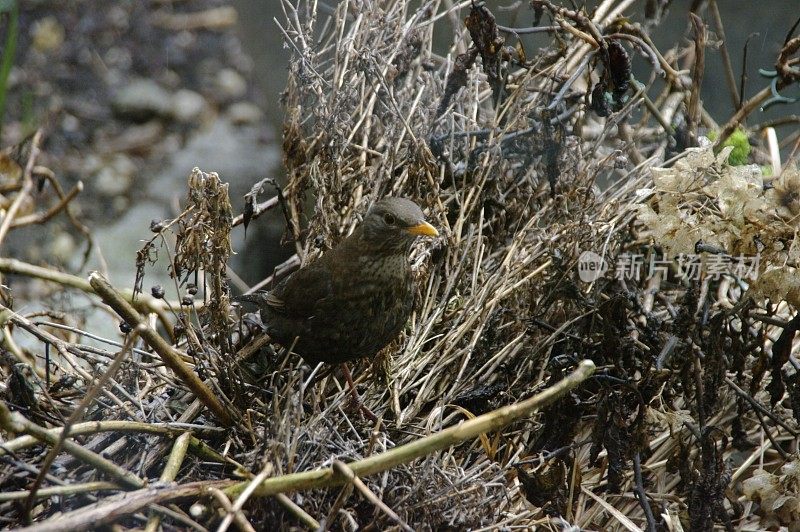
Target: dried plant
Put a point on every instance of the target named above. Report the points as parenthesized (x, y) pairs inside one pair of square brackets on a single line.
[(524, 160)]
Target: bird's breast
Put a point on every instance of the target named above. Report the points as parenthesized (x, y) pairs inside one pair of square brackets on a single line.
[(371, 299), (389, 268)]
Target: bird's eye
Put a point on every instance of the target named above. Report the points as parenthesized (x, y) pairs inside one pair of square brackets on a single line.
[(389, 219)]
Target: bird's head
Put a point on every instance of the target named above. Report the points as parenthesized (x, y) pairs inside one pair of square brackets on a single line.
[(394, 223)]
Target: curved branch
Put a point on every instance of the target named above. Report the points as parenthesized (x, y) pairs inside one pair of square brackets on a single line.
[(435, 442)]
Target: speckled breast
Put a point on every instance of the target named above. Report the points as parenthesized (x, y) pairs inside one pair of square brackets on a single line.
[(355, 323)]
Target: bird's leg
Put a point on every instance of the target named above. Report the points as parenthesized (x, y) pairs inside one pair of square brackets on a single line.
[(361, 406)]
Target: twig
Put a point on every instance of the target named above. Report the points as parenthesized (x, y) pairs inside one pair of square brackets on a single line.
[(77, 414), (594, 37), (528, 30), (582, 35), (234, 510), (693, 109), (52, 211), (567, 84), (178, 515), (27, 186), (16, 422), (341, 498), (87, 334), (170, 472), (282, 268), (64, 348), (113, 508), (297, 511), (93, 427), (167, 353), (144, 302), (748, 107), (784, 455), (659, 63), (342, 469), (666, 351), (619, 516), (233, 514), (743, 76), (641, 494), (60, 491), (624, 133), (441, 440), (772, 320), (757, 406), (260, 209), (787, 120), (726, 58)]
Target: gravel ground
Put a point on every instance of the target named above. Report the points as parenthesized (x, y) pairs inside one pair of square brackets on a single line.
[(131, 96)]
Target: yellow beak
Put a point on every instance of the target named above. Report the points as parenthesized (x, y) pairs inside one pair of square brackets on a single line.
[(423, 229)]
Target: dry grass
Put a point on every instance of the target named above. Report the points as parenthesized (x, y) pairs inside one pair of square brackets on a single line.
[(521, 177)]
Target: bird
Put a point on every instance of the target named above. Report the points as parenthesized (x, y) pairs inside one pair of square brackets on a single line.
[(354, 299)]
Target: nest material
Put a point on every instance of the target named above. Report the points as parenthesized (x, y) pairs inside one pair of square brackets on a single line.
[(690, 373)]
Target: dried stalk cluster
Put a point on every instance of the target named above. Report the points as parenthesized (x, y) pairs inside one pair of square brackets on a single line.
[(524, 159)]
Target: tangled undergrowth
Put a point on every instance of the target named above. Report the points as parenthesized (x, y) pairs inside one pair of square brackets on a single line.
[(525, 161)]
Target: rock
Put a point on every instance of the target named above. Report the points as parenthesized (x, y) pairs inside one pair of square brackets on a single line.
[(238, 155), (243, 113), (230, 84), (142, 99), (123, 165), (108, 183), (115, 178), (70, 123), (139, 139), (117, 17), (48, 34), (118, 59), (63, 246), (120, 204), (188, 106), (169, 79)]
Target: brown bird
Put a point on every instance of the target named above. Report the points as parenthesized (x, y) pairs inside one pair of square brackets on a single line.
[(356, 298)]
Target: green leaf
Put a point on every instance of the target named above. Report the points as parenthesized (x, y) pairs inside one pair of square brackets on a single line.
[(9, 50)]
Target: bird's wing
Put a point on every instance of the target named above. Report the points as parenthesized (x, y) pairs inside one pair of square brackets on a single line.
[(301, 293)]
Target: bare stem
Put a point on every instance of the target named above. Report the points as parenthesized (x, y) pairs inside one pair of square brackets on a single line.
[(167, 353), (435, 442)]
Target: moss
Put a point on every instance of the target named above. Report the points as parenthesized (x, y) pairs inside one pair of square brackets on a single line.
[(741, 146)]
